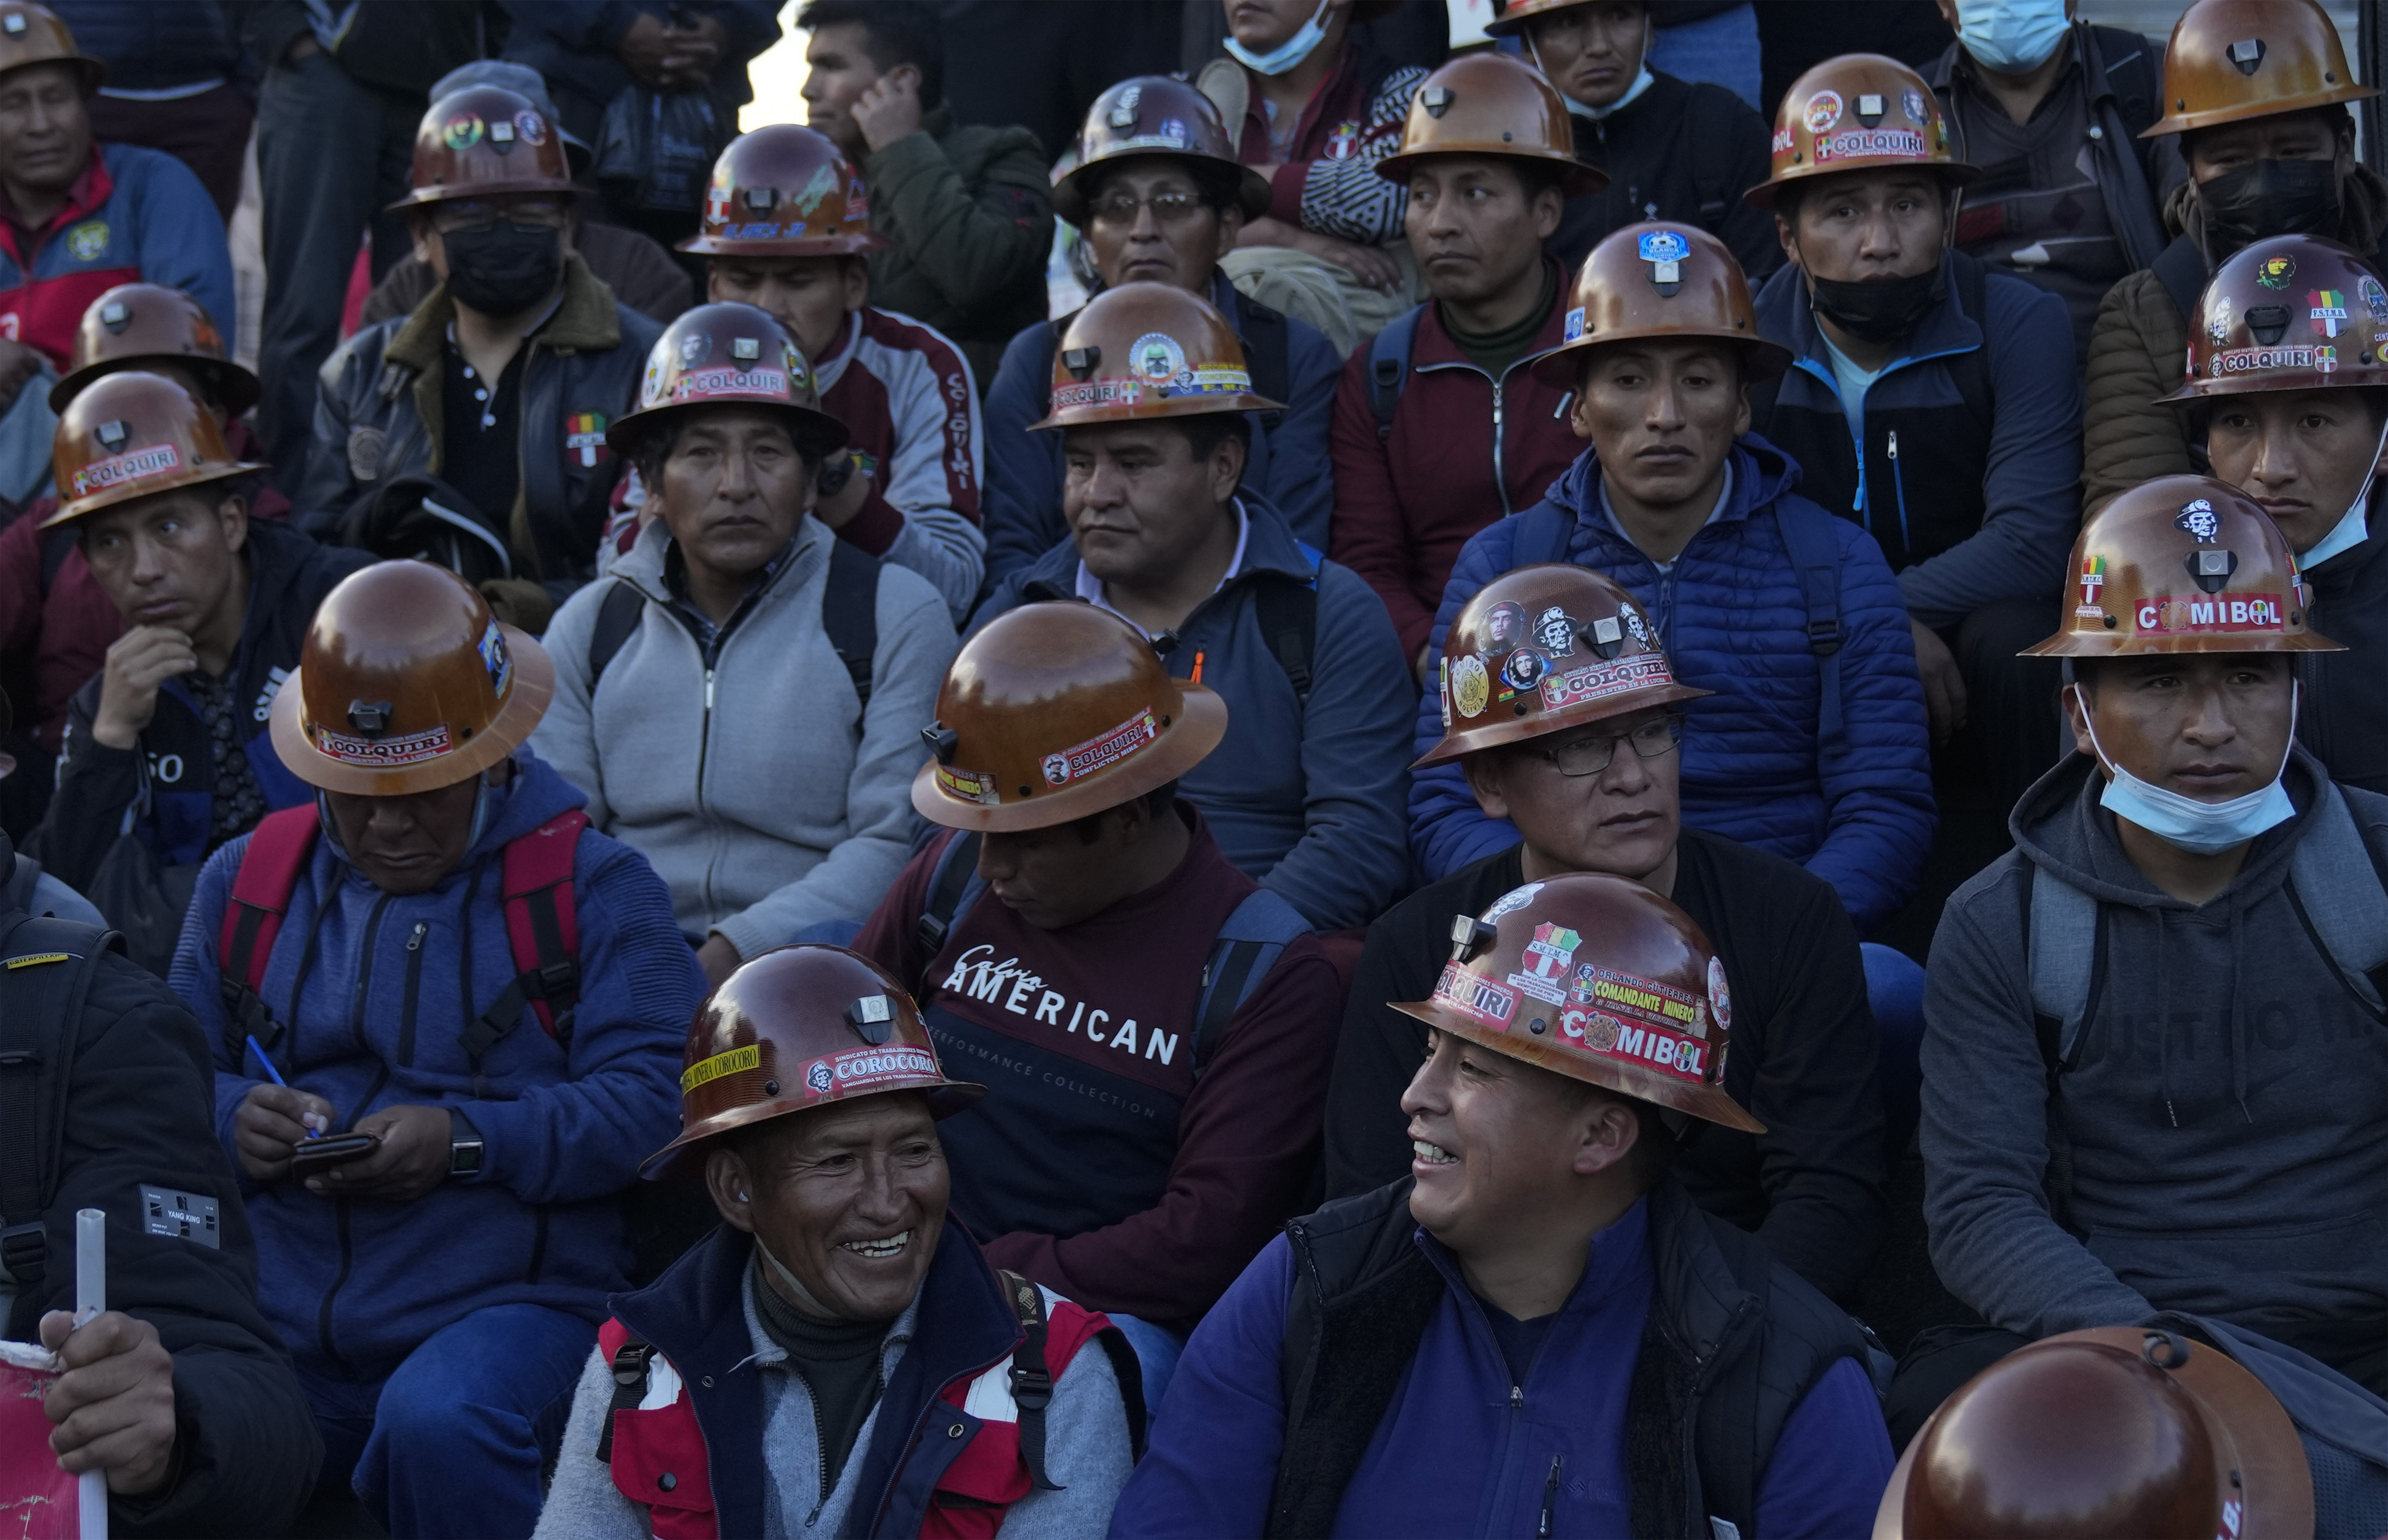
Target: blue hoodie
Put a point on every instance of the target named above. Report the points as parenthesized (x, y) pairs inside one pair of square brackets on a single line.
[(1730, 616), (353, 1286)]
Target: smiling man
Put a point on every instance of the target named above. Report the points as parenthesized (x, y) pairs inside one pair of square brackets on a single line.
[(775, 1379), (1535, 1331), (2153, 1055)]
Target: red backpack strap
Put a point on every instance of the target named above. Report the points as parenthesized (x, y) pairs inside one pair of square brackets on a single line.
[(544, 931), (278, 848), (656, 1456)]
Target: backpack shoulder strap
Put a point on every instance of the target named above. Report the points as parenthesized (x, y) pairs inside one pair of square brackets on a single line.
[(850, 611), (1712, 159), (2063, 990), (618, 615), (2334, 857), (1256, 935), (24, 876), (627, 1357), (278, 849), (1814, 549), (45, 971), (1287, 612), (1389, 367), (1032, 1380), (953, 887), (2130, 64), (543, 923), (1972, 367)]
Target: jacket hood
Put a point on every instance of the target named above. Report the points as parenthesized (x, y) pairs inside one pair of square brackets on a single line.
[(2362, 221), (1761, 475)]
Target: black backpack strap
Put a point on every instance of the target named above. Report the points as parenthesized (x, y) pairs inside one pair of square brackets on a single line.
[(1971, 368), (24, 875), (955, 865), (1711, 160), (1287, 612), (1809, 540), (1031, 1379), (618, 616), (1388, 368), (2130, 67), (850, 612), (46, 967), (629, 1370)]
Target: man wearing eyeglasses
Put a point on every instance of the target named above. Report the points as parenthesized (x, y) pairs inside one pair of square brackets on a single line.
[(1576, 746), (503, 381)]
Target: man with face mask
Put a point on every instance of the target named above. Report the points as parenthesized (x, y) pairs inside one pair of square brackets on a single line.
[(2257, 91), (2059, 207), (502, 382), (1928, 400), (2153, 1075)]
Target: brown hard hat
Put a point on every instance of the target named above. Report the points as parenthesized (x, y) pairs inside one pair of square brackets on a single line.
[(134, 323), (2291, 312), (1543, 648), (484, 141), (2229, 60), (785, 191), (131, 434), (1054, 711), (1155, 115), (2121, 1431), (1149, 350), (1859, 112), (407, 683), (1510, 16), (799, 1028), (33, 34), (1660, 280), (1597, 978), (2183, 563), (1491, 104), (727, 354)]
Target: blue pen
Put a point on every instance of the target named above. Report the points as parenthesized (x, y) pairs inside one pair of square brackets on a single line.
[(271, 1074)]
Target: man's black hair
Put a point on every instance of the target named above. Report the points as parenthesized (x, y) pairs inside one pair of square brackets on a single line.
[(1206, 431), (648, 454), (894, 32), (1158, 804)]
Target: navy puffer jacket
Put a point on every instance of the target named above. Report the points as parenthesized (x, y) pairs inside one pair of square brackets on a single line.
[(1730, 616)]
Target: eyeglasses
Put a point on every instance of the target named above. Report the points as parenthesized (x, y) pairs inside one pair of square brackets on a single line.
[(1167, 208), (1590, 756), (467, 213)]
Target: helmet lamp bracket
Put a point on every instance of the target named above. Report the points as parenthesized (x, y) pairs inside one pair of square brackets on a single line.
[(1469, 935)]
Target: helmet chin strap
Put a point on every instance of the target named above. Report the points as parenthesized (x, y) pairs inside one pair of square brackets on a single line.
[(792, 1284)]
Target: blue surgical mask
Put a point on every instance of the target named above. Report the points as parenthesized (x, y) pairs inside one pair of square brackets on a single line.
[(1286, 55), (2184, 823), (2351, 530), (2010, 37)]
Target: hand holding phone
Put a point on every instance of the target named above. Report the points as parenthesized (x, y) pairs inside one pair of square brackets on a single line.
[(318, 1155)]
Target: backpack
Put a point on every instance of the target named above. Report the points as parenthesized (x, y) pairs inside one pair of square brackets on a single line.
[(543, 929), (849, 614), (46, 967)]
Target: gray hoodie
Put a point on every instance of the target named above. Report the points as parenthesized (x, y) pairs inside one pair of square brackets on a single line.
[(2227, 1109)]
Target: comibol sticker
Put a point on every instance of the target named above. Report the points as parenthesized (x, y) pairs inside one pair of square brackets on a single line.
[(1156, 358), (461, 133), (2259, 612), (1824, 111), (1471, 687), (1720, 996)]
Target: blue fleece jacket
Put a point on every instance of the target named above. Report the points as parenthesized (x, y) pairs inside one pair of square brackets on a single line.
[(1289, 463), (371, 990), (1730, 616), (1466, 1448), (1306, 801)]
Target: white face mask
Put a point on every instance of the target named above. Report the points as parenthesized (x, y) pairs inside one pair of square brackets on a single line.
[(1286, 55), (2184, 823)]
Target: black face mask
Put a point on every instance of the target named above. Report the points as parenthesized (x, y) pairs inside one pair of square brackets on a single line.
[(2269, 198), (502, 268), (1880, 310)]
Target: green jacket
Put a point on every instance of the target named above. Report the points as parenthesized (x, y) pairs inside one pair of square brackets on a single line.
[(968, 210)]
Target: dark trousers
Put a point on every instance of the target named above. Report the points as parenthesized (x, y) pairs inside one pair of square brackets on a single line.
[(332, 152), (2013, 724), (1938, 1362), (208, 133)]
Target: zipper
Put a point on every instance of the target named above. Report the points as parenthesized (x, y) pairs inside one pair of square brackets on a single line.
[(1500, 478), (414, 992), (1550, 1500), (339, 1280), (1898, 491), (364, 972), (704, 743)]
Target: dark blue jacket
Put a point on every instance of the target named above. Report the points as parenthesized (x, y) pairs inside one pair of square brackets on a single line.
[(1969, 501), (1730, 616), (572, 44), (368, 989), (1289, 461), (1308, 802)]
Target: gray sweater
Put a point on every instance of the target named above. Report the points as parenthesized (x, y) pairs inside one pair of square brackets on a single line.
[(764, 794), (2224, 1110)]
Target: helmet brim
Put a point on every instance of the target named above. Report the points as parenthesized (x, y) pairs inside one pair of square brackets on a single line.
[(807, 245), (945, 1098), (1467, 741), (1182, 406), (1709, 1103), (1577, 180), (2083, 644), (627, 434), (133, 491), (237, 387), (2183, 122), (1202, 724), (525, 704), (462, 193), (2304, 379), (1956, 174), (1762, 360), (1069, 195)]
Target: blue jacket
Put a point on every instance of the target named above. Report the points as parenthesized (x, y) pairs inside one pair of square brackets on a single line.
[(354, 1286), (1306, 801), (1024, 470), (1989, 508), (1730, 616), (1468, 1448)]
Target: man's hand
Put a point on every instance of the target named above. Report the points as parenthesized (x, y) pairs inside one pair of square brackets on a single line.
[(411, 1161), (19, 366), (648, 49), (113, 1408), (888, 109), (139, 661), (1944, 683), (719, 958), (1367, 263), (270, 1122)]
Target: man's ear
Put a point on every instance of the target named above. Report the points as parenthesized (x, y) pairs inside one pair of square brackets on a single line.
[(1485, 781), (428, 250), (1231, 226), (903, 75), (1788, 238), (1741, 416), (232, 515), (1550, 205), (2076, 718), (732, 1187), (1227, 467), (855, 274), (1606, 1133)]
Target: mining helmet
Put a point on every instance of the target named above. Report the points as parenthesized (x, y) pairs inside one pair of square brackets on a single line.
[(129, 435), (727, 354), (2229, 60), (785, 191), (1859, 112), (407, 683), (134, 324), (1491, 104), (1155, 115), (33, 34), (1544, 648), (2291, 312), (1597, 978), (1659, 281), (1054, 711), (483, 142), (2118, 1431), (1509, 17), (1149, 350), (799, 1028)]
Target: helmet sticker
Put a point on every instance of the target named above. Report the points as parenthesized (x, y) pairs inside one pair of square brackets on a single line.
[(414, 748), (1444, 690), (1471, 686), (1913, 102), (692, 349), (1505, 627), (2375, 298), (2199, 519), (2218, 318), (651, 386), (2240, 361), (865, 1069), (1720, 996), (1868, 143), (739, 384), (461, 133), (2093, 578), (1156, 358), (2326, 308), (532, 127), (970, 785), (118, 469), (819, 1079), (1554, 632), (2274, 272), (1574, 325), (1124, 111), (822, 183), (732, 1062), (2325, 360), (2254, 611), (1641, 1018), (1524, 669), (1636, 627), (1478, 999), (1103, 750), (1511, 902), (1545, 963), (1595, 682), (1823, 110), (1173, 130), (495, 659)]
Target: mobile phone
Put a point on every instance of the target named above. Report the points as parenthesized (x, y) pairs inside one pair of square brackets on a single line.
[(315, 1156)]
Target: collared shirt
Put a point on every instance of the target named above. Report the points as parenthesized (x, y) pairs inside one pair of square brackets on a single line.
[(481, 454), (1090, 588), (1724, 495), (709, 634)]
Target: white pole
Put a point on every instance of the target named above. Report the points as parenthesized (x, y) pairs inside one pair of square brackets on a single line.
[(91, 1298)]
